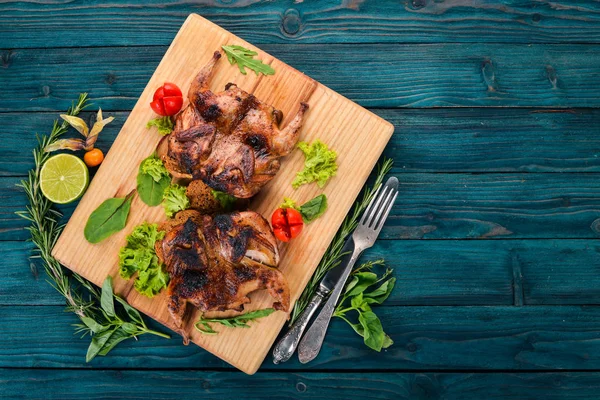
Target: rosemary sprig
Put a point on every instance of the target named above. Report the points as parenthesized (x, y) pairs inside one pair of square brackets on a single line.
[(45, 230), (238, 321), (334, 252)]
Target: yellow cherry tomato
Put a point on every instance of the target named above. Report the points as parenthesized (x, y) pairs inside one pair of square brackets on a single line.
[(93, 158)]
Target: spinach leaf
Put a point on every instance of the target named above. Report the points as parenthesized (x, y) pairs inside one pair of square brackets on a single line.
[(314, 208), (110, 217), (152, 180)]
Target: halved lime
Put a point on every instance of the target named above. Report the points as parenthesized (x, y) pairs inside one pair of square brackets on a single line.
[(64, 178)]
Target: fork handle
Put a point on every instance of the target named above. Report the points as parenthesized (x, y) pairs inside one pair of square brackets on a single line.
[(284, 349), (313, 340)]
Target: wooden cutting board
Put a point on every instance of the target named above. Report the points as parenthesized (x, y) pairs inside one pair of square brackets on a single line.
[(357, 135)]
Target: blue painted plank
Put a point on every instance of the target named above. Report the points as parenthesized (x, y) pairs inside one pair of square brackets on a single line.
[(377, 75), (136, 22), (550, 272), (449, 206), (431, 140), (425, 338), (75, 384), (426, 272)]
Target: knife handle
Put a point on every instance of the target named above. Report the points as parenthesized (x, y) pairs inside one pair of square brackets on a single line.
[(284, 349), (313, 340)]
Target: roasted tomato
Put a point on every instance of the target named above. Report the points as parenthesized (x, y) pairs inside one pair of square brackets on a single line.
[(287, 223), (167, 100)]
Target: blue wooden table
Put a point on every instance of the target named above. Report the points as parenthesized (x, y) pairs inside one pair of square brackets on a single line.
[(494, 237)]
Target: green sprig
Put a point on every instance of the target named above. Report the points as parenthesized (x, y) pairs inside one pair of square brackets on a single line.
[(332, 256), (238, 321), (364, 289), (45, 229)]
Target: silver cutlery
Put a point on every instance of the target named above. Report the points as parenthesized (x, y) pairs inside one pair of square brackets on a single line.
[(284, 349), (363, 237)]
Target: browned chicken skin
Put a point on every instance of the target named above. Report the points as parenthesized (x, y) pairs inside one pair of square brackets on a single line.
[(230, 140), (215, 262)]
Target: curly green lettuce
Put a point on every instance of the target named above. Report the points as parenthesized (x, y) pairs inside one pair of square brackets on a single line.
[(289, 203), (154, 167), (174, 199), (163, 124), (319, 164), (138, 256)]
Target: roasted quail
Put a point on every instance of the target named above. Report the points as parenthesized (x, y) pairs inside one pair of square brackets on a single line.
[(230, 140), (215, 262)]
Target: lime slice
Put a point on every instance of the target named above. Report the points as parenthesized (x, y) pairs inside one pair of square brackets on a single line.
[(64, 178)]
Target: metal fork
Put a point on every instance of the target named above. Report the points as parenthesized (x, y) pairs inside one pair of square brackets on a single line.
[(364, 237)]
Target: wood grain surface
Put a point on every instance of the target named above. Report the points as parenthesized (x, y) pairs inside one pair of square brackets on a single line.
[(358, 136), (137, 22), (374, 75)]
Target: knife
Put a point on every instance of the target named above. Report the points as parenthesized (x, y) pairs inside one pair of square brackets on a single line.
[(286, 346)]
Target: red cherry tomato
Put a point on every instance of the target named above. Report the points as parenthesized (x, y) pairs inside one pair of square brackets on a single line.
[(287, 223), (167, 100), (172, 104), (158, 107), (171, 89)]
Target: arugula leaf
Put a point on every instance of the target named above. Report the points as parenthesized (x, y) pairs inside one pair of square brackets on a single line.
[(163, 124), (319, 164), (244, 58), (314, 208), (110, 217), (226, 200), (239, 321), (152, 180), (175, 199), (138, 255)]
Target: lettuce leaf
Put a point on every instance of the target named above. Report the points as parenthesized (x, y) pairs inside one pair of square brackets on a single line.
[(174, 199), (319, 164), (138, 256)]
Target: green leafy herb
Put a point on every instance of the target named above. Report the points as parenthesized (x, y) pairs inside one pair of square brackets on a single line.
[(138, 255), (110, 217), (174, 199), (154, 167), (112, 329), (332, 255), (226, 201), (45, 228), (152, 180), (314, 208), (289, 203), (163, 124), (319, 164), (310, 210), (240, 321), (363, 289), (244, 58)]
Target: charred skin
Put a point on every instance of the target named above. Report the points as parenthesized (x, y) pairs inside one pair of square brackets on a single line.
[(229, 140), (215, 262)]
